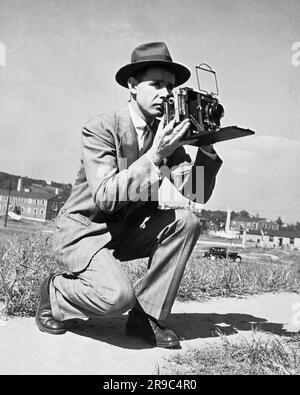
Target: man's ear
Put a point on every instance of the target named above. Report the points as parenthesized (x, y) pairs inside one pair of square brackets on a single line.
[(132, 83)]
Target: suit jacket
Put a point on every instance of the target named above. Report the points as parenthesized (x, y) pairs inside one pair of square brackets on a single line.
[(112, 188)]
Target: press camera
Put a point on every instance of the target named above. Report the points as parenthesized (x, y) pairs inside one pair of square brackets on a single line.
[(204, 111)]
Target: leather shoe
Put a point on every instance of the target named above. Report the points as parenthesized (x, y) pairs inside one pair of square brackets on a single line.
[(44, 318), (140, 324)]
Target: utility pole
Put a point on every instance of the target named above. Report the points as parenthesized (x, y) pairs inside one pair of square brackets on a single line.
[(8, 201), (227, 226), (2, 55)]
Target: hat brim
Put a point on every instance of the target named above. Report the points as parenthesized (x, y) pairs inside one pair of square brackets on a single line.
[(182, 73)]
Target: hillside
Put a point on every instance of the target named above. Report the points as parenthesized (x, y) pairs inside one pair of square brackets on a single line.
[(28, 182)]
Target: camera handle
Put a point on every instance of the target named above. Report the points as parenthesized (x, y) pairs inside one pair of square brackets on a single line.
[(207, 68)]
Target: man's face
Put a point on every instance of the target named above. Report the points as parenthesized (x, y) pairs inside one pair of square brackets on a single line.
[(151, 90)]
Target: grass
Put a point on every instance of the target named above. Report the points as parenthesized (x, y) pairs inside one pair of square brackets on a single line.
[(204, 278), (19, 227), (260, 354), (27, 258), (226, 278)]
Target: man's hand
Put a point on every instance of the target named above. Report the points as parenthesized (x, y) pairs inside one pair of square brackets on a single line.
[(168, 139)]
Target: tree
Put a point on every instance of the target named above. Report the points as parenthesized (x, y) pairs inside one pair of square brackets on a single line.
[(279, 222), (244, 213)]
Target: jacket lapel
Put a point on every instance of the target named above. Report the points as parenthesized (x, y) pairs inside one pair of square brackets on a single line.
[(129, 148), (127, 135)]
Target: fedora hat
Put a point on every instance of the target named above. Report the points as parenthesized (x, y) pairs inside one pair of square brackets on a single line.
[(156, 54)]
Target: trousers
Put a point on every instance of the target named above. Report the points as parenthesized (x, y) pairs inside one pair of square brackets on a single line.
[(104, 289)]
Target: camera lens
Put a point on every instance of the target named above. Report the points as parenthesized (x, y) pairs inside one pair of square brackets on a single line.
[(215, 112)]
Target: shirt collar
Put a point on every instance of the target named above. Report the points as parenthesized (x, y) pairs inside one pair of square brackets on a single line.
[(138, 122)]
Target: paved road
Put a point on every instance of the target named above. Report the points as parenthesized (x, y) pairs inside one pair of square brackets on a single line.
[(220, 243)]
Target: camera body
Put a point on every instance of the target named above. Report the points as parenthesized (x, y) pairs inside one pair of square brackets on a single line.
[(203, 110)]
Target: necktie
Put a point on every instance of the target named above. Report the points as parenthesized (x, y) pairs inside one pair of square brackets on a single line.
[(147, 138)]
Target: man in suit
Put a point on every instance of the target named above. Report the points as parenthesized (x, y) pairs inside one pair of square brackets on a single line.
[(112, 214)]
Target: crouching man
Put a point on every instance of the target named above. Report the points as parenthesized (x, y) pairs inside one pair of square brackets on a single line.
[(112, 217)]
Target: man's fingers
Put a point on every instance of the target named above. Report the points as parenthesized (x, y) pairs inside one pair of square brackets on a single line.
[(161, 124), (170, 126), (183, 123), (180, 130)]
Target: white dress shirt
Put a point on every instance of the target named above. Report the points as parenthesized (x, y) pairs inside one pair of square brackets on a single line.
[(139, 125)]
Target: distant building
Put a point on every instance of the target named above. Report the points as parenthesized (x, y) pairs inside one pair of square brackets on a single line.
[(273, 238), (252, 223), (39, 204)]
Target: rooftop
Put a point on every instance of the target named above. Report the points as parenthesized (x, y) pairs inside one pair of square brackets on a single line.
[(42, 194)]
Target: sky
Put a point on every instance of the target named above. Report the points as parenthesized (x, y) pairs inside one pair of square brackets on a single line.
[(61, 61)]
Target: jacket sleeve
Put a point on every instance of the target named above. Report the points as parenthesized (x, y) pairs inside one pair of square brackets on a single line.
[(112, 184), (194, 179)]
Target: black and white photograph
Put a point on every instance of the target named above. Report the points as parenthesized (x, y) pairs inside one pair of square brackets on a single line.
[(149, 190)]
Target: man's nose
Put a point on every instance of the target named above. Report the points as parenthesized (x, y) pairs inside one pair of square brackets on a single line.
[(164, 92)]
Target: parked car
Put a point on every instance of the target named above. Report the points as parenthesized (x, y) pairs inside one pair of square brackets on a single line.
[(222, 253)]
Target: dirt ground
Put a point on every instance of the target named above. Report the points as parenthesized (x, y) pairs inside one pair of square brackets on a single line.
[(100, 347)]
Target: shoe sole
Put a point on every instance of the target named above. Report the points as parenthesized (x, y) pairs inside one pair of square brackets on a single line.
[(51, 331), (175, 344)]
